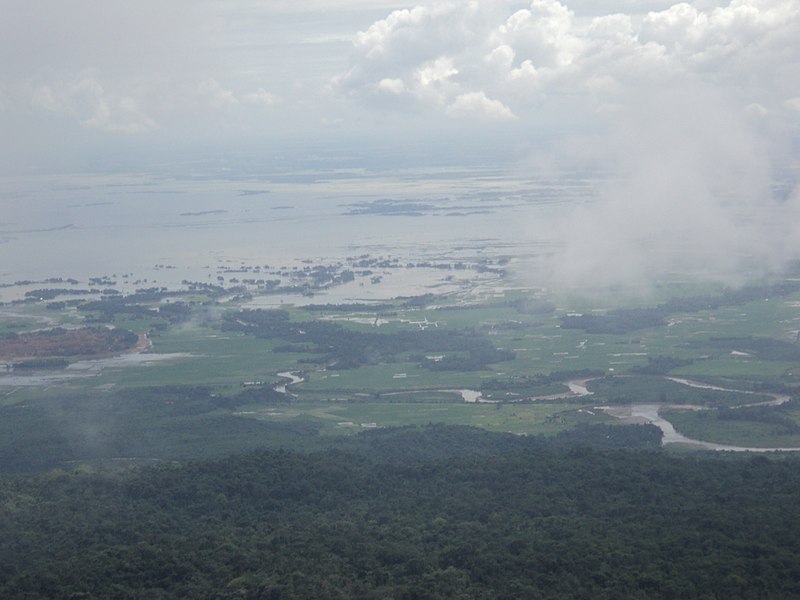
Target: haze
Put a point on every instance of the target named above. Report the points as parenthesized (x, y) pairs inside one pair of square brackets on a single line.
[(689, 111)]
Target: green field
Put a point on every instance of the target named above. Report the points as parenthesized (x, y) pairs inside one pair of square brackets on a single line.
[(361, 368), (350, 417)]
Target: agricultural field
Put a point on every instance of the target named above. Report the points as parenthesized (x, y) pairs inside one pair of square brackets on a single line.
[(233, 375)]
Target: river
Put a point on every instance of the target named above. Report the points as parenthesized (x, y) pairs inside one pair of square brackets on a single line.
[(293, 378), (651, 413)]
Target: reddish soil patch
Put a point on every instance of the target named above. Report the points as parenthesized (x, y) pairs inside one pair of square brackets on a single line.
[(58, 342)]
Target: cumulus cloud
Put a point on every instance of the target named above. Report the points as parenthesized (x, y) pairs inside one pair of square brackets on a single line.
[(525, 57), (477, 105)]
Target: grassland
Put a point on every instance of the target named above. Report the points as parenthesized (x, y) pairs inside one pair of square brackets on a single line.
[(348, 417), (748, 346)]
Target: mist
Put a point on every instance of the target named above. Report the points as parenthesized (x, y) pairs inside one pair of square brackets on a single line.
[(696, 190)]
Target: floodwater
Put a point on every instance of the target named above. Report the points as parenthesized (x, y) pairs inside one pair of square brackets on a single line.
[(89, 368), (141, 232)]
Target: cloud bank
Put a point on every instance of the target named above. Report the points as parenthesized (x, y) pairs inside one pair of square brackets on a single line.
[(690, 107), (530, 57)]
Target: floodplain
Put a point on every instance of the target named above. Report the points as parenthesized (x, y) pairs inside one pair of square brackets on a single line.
[(504, 358)]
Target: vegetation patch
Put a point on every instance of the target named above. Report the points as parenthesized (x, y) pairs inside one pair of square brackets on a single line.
[(343, 348), (660, 390), (753, 426), (437, 512)]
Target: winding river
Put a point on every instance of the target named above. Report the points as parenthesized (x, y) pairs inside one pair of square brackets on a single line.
[(650, 413), (632, 413), (293, 377)]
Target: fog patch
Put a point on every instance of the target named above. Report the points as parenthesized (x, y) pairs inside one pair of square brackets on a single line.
[(690, 194)]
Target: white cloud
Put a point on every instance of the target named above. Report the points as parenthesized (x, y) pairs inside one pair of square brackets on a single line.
[(693, 195), (393, 86), (793, 103), (477, 105), (691, 100), (523, 57), (216, 95), (436, 71), (261, 97), (542, 34), (87, 100), (150, 65)]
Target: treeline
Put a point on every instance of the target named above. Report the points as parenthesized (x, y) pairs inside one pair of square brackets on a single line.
[(51, 293), (660, 365), (344, 348), (617, 321), (139, 424), (626, 320), (129, 306), (360, 307), (438, 512), (656, 389), (527, 381), (777, 416), (41, 363), (759, 347)]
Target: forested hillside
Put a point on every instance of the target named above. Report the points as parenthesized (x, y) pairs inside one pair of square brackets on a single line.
[(436, 512)]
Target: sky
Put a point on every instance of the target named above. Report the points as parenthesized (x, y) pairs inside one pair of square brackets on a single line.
[(83, 79), (694, 106)]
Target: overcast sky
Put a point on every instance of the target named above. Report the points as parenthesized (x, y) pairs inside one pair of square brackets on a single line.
[(87, 79)]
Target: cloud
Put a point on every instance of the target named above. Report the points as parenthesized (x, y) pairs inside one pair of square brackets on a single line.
[(529, 58), (477, 105), (87, 100), (428, 55), (128, 107), (135, 67), (683, 104), (692, 196), (793, 103), (392, 86), (261, 97), (216, 95)]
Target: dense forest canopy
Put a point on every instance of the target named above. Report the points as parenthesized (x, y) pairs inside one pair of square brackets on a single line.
[(437, 512)]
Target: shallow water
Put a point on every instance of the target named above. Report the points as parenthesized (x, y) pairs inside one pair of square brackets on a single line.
[(146, 232), (89, 368)]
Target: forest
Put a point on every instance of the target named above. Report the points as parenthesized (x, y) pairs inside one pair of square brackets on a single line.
[(329, 451), (431, 512), (464, 350)]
